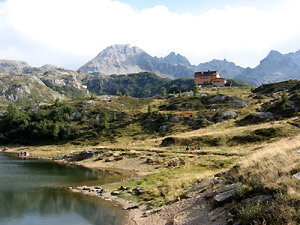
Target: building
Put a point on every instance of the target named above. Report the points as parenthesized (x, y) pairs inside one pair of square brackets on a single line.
[(209, 78)]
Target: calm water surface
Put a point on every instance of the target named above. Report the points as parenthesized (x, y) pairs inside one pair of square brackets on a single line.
[(32, 192)]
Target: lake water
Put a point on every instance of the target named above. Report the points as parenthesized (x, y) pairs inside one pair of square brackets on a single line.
[(33, 192)]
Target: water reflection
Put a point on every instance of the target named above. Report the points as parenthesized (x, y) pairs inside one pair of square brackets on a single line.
[(33, 192), (45, 205)]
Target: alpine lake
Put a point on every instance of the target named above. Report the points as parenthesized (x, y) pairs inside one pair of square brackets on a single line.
[(35, 192)]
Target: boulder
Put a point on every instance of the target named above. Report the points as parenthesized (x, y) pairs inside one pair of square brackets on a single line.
[(174, 120), (296, 176), (232, 114), (217, 98), (115, 193), (238, 102), (109, 159), (164, 128), (85, 155), (169, 141), (122, 188), (223, 197), (138, 190), (118, 158), (226, 188)]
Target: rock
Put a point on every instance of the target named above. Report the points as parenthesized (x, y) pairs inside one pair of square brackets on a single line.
[(257, 199), (116, 154), (169, 141), (222, 197), (172, 222), (174, 120), (229, 187), (97, 187), (90, 103), (122, 188), (85, 155), (296, 176), (164, 128), (238, 102), (85, 188), (118, 158), (150, 212), (138, 190), (202, 185), (263, 115), (150, 161), (227, 114), (220, 174), (172, 163), (297, 150), (132, 207), (188, 94), (115, 193), (109, 159), (217, 98), (238, 223)]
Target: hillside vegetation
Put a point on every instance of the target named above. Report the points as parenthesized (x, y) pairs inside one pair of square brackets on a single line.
[(245, 146)]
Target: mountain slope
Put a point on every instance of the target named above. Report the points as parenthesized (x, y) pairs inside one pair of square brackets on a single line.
[(227, 69), (22, 83), (124, 59), (275, 67)]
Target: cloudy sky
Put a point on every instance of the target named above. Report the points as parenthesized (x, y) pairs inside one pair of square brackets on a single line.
[(68, 33)]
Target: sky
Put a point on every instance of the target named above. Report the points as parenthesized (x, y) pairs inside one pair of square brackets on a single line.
[(69, 33)]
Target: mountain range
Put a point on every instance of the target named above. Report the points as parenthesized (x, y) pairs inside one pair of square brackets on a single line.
[(22, 83), (124, 59)]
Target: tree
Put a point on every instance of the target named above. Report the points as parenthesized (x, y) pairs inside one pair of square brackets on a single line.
[(180, 95), (118, 93), (165, 117), (173, 89), (284, 97), (196, 90), (127, 93), (114, 116), (57, 102), (105, 121), (163, 91), (150, 109)]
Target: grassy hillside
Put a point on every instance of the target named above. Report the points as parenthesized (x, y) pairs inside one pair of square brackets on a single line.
[(243, 137)]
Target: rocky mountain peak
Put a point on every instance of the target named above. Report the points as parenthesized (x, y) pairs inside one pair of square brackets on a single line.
[(12, 66), (176, 59), (274, 54), (125, 50)]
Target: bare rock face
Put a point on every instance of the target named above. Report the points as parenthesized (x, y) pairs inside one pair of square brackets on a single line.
[(125, 59), (12, 66), (116, 59)]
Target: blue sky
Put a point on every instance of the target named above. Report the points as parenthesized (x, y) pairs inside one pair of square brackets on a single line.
[(68, 33), (196, 6)]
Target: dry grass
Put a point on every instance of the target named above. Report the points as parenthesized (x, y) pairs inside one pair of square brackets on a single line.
[(273, 161)]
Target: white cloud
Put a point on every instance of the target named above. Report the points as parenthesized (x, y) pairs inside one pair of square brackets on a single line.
[(55, 29)]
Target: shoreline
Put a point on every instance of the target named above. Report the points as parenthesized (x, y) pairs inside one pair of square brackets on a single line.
[(134, 210)]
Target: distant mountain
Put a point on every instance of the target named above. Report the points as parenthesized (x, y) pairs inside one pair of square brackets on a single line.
[(22, 83), (275, 67), (227, 69), (124, 59)]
